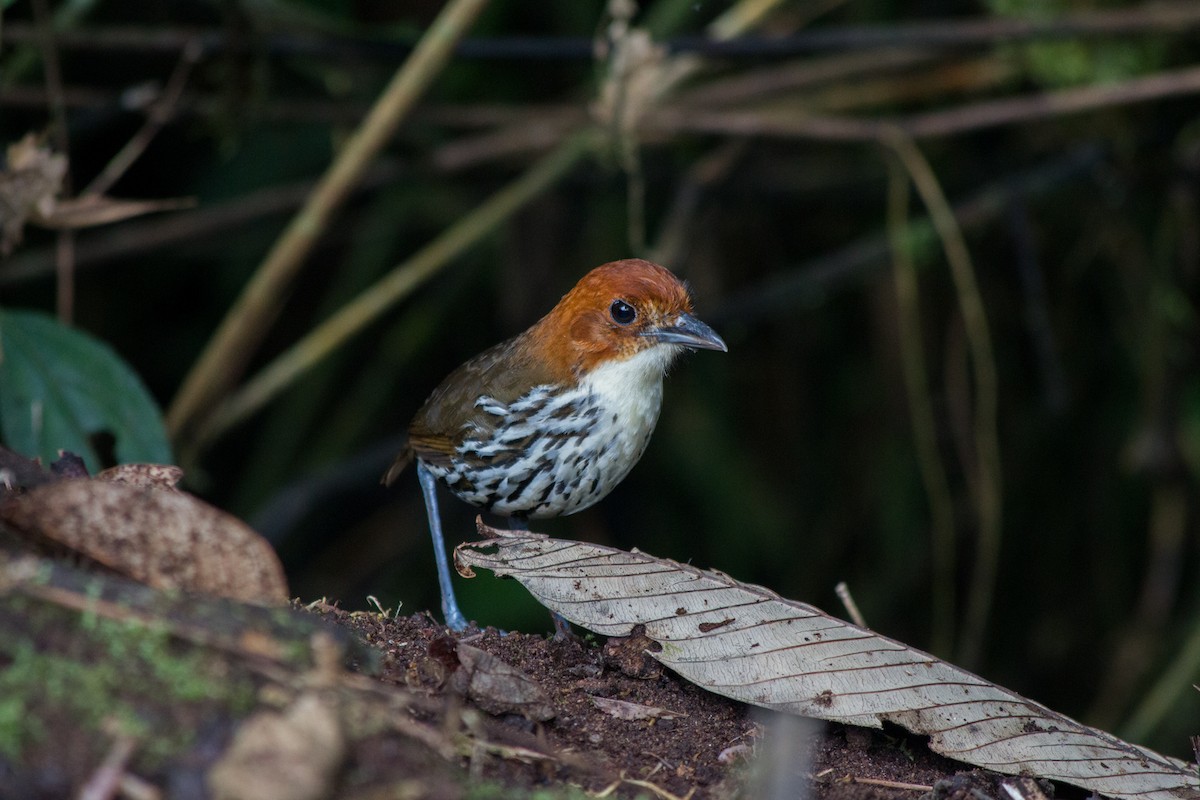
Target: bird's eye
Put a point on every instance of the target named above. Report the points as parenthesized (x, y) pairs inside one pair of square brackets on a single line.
[(622, 313)]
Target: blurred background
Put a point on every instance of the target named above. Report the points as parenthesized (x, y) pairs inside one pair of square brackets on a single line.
[(954, 249)]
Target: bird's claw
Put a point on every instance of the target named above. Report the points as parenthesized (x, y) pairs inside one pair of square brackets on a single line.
[(455, 620)]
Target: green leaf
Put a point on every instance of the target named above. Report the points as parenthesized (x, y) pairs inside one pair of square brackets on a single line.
[(59, 386)]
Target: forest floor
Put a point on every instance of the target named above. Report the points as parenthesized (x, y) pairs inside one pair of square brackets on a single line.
[(611, 721), (111, 689)]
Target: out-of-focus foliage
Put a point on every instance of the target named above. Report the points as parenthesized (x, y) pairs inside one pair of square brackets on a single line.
[(1072, 63), (762, 175), (60, 388)]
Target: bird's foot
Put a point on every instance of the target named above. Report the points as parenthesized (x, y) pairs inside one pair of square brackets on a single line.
[(562, 629), (455, 619)]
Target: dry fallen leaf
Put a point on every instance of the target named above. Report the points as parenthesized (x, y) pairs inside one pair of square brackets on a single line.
[(750, 644), (498, 687), (29, 193), (623, 709), (166, 539), (293, 755)]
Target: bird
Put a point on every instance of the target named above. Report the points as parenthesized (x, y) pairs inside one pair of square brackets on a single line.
[(547, 423)]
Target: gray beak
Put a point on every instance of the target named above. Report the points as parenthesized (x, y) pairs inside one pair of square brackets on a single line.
[(689, 332)]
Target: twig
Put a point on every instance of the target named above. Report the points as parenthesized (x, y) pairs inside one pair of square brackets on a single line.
[(393, 287), (209, 104), (966, 77), (837, 69), (1149, 18), (740, 18), (106, 780), (803, 285), (915, 787), (658, 790), (707, 170), (64, 270), (1142, 637), (142, 236), (1165, 695), (64, 250), (1036, 305), (947, 122), (637, 80), (247, 322), (989, 479), (531, 132), (920, 410), (1157, 454), (159, 114), (958, 34), (843, 593), (134, 787), (44, 36)]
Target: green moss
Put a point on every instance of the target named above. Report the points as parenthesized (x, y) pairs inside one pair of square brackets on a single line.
[(96, 671)]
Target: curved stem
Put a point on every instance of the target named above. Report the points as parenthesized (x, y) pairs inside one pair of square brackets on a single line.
[(989, 480), (920, 410), (247, 322)]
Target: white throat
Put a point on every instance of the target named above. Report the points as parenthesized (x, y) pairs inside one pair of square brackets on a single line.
[(631, 389)]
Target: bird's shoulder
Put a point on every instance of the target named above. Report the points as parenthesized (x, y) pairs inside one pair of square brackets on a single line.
[(504, 374)]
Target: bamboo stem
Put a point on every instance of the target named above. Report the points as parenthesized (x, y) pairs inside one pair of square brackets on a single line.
[(247, 322), (395, 286)]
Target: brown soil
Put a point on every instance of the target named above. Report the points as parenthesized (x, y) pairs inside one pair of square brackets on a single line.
[(694, 744), (113, 686)]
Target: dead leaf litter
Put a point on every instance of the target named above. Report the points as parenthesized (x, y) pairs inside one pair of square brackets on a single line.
[(615, 733)]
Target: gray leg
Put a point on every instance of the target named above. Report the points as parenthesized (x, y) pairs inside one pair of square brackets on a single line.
[(454, 617)]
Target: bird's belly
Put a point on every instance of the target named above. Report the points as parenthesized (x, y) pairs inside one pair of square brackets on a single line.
[(551, 456)]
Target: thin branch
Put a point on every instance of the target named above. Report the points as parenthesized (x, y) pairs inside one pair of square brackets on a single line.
[(886, 784), (990, 486), (394, 287), (920, 410), (64, 251), (946, 122), (638, 79), (64, 271), (106, 780), (856, 616), (811, 282), (520, 137), (136, 237), (159, 114), (741, 87), (328, 112), (1166, 693), (967, 77), (1149, 18), (1179, 18), (529, 133), (677, 229), (247, 322)]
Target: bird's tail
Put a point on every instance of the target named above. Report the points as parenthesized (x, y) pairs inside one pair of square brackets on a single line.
[(402, 461)]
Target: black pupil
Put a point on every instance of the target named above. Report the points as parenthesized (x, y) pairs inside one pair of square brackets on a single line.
[(622, 312)]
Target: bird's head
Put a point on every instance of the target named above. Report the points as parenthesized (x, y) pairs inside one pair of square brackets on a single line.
[(617, 311)]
